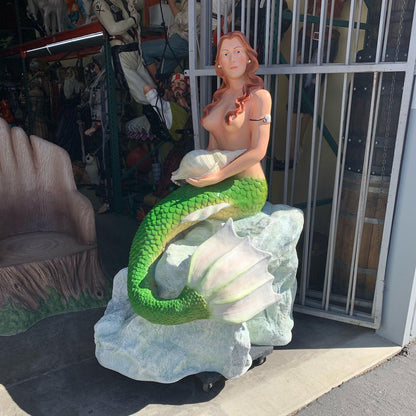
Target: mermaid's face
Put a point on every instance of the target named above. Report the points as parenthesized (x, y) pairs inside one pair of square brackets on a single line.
[(233, 58)]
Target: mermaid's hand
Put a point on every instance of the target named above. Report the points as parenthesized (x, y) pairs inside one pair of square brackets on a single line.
[(210, 179)]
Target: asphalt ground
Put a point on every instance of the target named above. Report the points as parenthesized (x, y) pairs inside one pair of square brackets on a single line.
[(387, 390)]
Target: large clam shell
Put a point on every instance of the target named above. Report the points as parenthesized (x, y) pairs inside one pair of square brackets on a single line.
[(198, 163)]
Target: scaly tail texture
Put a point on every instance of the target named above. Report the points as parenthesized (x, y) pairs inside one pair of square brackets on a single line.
[(236, 198)]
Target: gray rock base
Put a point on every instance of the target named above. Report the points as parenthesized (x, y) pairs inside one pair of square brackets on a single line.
[(138, 349)]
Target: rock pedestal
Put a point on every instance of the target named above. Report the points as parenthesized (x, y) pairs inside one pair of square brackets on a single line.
[(134, 347)]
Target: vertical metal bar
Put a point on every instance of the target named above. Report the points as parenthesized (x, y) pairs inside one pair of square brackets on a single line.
[(306, 239), (205, 35), (330, 28), (274, 93), (294, 60), (256, 23), (24, 70), (365, 184), (243, 16), (113, 126), (218, 11), (225, 25), (336, 199), (322, 26), (300, 115), (267, 34), (291, 91), (295, 27), (312, 26), (309, 198), (362, 201), (279, 30), (203, 55), (191, 74), (267, 55), (248, 20), (274, 127), (271, 18), (312, 188), (19, 22), (297, 138), (233, 16), (305, 13), (205, 61), (386, 31), (381, 32), (293, 53), (347, 132), (357, 32), (350, 32), (318, 161)]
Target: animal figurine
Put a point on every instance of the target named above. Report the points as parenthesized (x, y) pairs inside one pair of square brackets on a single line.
[(54, 14), (87, 10), (91, 168), (80, 174)]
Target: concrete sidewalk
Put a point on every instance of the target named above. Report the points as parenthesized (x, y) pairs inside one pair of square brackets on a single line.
[(51, 368)]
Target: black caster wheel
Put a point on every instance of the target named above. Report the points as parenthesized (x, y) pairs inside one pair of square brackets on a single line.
[(259, 361), (209, 380), (207, 387), (259, 353)]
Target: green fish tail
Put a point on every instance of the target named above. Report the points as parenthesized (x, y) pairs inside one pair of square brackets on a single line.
[(245, 196)]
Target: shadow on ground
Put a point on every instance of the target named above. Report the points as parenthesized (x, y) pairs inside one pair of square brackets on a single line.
[(51, 368)]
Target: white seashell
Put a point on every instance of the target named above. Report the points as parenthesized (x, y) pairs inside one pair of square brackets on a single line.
[(198, 163)]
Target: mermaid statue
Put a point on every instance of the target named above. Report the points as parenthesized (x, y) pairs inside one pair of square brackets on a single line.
[(224, 283)]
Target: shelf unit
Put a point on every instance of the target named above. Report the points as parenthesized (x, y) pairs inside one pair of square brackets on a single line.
[(88, 38), (76, 43)]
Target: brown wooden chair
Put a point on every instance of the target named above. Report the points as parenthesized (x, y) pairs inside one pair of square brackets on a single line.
[(47, 230)]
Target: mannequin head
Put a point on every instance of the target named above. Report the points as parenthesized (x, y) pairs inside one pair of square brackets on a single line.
[(179, 85)]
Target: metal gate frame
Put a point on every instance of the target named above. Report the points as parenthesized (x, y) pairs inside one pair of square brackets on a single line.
[(201, 70)]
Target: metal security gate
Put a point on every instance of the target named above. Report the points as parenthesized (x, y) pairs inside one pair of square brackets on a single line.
[(341, 77)]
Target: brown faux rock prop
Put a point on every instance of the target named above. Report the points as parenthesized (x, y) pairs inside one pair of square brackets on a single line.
[(47, 233)]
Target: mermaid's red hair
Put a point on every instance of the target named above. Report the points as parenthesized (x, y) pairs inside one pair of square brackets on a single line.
[(254, 83)]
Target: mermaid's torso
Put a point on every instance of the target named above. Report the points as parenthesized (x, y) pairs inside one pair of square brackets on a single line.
[(238, 134)]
